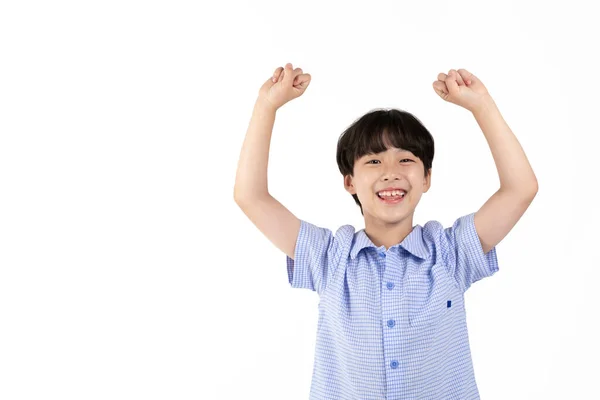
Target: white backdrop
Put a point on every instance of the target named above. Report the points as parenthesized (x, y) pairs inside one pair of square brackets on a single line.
[(127, 271)]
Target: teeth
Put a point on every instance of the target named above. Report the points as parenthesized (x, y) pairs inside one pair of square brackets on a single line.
[(392, 193)]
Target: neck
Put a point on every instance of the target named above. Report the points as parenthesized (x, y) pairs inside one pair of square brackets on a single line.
[(386, 234)]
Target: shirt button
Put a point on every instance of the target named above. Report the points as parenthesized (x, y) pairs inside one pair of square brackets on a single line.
[(394, 364), (390, 285), (391, 323), (382, 254)]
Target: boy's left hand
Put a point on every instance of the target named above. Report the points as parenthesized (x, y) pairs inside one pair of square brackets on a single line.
[(461, 88)]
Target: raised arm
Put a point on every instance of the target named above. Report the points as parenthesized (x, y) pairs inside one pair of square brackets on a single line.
[(518, 184), (251, 191)]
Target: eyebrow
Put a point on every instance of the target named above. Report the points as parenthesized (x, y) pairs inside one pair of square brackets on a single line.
[(395, 151)]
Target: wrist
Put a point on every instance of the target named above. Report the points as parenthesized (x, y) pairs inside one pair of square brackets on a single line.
[(486, 105), (264, 105)]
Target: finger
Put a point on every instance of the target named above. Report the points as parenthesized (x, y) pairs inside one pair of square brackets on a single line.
[(440, 88), (451, 83), (277, 74), (467, 76), (287, 75), (457, 76), (442, 77), (302, 80), (296, 73)]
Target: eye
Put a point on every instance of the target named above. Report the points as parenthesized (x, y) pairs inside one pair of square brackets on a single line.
[(406, 159)]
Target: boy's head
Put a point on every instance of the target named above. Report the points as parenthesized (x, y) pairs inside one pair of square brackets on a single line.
[(386, 148)]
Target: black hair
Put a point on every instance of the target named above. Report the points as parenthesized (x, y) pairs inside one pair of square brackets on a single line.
[(370, 133)]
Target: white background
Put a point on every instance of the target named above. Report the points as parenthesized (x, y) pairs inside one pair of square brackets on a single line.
[(127, 271)]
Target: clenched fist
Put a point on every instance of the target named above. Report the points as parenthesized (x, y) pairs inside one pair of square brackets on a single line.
[(286, 84)]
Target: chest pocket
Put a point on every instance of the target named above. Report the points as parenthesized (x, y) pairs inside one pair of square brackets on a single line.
[(428, 294)]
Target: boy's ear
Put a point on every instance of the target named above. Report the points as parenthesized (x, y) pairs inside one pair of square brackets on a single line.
[(348, 185), (427, 182)]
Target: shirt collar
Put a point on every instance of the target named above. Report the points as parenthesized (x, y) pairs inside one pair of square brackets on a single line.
[(413, 243)]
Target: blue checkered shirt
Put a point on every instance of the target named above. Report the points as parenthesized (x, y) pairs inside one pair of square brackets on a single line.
[(392, 333)]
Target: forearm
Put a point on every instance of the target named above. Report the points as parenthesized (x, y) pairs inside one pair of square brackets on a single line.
[(511, 162), (251, 176)]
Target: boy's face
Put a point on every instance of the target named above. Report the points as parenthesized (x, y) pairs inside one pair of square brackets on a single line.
[(392, 168)]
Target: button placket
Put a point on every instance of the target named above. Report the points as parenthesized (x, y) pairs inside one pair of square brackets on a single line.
[(391, 323)]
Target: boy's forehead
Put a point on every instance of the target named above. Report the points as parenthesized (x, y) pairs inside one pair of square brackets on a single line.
[(394, 150)]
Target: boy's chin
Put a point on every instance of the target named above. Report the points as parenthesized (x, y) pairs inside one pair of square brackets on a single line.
[(390, 215)]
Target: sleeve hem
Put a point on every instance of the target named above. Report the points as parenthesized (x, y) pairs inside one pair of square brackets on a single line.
[(294, 273), (485, 263)]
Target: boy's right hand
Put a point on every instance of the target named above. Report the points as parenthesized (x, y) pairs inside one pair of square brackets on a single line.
[(286, 84)]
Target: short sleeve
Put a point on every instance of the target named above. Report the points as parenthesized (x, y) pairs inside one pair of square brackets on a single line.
[(464, 254), (316, 256)]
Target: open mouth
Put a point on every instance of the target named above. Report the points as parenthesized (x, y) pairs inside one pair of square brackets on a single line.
[(391, 198)]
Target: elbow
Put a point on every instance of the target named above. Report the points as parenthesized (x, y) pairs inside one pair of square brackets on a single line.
[(237, 197), (526, 192), (534, 188), (244, 197)]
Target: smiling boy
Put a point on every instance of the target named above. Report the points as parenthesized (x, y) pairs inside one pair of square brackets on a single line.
[(392, 322)]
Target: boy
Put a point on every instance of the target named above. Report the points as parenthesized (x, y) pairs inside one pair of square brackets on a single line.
[(392, 321)]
